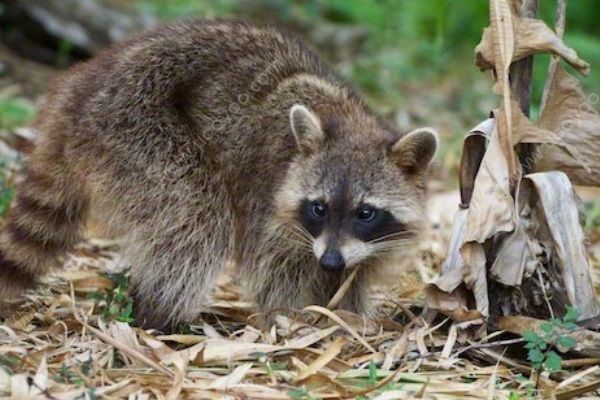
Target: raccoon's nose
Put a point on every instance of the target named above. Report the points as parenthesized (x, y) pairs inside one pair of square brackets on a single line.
[(332, 261)]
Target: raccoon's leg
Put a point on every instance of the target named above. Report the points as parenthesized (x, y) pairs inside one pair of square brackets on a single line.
[(356, 298), (45, 222), (288, 280), (280, 289), (176, 256)]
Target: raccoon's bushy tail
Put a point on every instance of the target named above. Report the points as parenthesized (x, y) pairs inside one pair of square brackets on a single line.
[(44, 223)]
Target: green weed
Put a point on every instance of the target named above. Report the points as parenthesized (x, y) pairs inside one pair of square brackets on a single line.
[(116, 304), (14, 112), (552, 333)]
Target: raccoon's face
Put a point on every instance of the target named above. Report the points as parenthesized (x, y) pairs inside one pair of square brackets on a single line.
[(355, 196)]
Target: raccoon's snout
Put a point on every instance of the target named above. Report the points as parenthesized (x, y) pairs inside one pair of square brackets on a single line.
[(332, 261)]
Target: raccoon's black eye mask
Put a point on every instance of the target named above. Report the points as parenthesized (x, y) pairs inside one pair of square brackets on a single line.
[(366, 222), (373, 223)]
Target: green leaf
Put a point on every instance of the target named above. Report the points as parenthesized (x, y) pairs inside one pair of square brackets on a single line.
[(521, 379), (259, 355), (298, 394), (535, 356), (571, 326), (531, 337), (546, 327), (15, 112), (552, 362), (567, 342), (571, 315), (372, 372), (113, 310), (98, 296), (514, 396)]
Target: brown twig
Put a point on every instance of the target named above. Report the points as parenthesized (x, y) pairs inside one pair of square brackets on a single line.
[(521, 83), (559, 27)]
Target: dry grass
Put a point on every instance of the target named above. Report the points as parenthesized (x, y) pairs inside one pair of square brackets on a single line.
[(67, 345)]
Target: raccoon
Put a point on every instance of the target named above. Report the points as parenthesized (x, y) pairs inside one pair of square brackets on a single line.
[(203, 142)]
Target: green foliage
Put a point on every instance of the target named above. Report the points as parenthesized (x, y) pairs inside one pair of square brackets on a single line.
[(514, 396), (411, 42), (116, 303), (527, 384), (169, 10), (75, 376), (300, 394), (269, 365), (70, 375), (592, 216), (372, 372), (551, 334), (7, 192), (8, 362), (15, 112)]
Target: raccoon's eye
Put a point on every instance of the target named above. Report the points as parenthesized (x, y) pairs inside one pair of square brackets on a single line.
[(366, 214), (318, 210)]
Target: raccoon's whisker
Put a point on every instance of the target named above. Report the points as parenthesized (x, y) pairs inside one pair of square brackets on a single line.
[(303, 235), (304, 232), (392, 235), (391, 245), (299, 244), (300, 237), (393, 242), (301, 241)]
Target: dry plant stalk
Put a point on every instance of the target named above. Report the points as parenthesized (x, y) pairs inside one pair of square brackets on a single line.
[(517, 242)]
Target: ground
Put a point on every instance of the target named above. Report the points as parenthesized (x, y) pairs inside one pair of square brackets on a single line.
[(76, 338)]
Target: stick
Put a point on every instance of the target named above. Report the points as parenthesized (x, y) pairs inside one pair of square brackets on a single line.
[(559, 27), (520, 84)]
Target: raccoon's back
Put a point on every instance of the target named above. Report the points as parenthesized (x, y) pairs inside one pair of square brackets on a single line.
[(203, 85)]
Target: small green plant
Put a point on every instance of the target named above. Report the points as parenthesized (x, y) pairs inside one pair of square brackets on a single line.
[(300, 394), (592, 216), (72, 376), (15, 112), (7, 192), (8, 362), (372, 372), (66, 375), (525, 383), (116, 303), (269, 365), (552, 333)]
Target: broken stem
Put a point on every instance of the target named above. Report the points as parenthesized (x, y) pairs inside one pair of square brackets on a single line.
[(559, 27), (521, 82)]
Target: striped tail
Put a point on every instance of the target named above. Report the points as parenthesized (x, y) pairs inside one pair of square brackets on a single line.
[(44, 223)]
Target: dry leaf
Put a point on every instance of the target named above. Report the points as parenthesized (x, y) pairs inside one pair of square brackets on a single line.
[(329, 354), (447, 293), (472, 154), (476, 275), (532, 36), (236, 376), (491, 209), (503, 48), (576, 125), (518, 256), (558, 204)]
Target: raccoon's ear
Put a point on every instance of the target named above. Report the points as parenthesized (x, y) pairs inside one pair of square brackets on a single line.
[(414, 151), (306, 128)]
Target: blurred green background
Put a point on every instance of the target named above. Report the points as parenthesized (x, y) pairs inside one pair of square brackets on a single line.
[(412, 59)]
